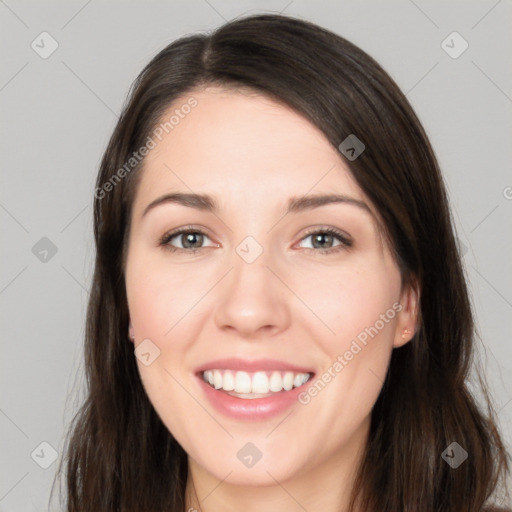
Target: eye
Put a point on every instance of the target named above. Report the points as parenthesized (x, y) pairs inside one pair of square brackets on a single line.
[(191, 240), (323, 240)]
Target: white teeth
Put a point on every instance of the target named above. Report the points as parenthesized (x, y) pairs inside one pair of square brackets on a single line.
[(217, 379), (276, 382), (229, 381), (258, 382), (288, 381), (297, 381), (242, 382)]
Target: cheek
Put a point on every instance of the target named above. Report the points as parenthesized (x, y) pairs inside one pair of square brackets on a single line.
[(146, 305), (159, 296), (348, 300), (360, 308)]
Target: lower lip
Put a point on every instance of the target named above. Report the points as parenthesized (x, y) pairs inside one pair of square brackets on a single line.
[(251, 408)]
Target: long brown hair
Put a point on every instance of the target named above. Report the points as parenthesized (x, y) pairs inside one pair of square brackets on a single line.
[(120, 456)]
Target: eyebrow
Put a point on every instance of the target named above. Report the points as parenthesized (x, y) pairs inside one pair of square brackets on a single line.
[(208, 203)]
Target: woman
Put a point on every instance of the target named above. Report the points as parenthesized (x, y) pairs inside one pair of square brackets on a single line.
[(279, 318)]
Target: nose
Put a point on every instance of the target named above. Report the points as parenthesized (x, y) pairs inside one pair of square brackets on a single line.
[(253, 301)]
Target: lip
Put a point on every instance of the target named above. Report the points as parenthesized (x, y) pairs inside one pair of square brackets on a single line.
[(251, 408), (251, 366), (254, 408)]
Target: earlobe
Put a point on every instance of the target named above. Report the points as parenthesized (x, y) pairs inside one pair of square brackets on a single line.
[(131, 334), (407, 323), (405, 334)]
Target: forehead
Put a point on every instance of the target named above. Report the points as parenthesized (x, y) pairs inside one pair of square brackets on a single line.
[(242, 145)]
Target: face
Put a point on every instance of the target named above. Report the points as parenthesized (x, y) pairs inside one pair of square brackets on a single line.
[(265, 290)]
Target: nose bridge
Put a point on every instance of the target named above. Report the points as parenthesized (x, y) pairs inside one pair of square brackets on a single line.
[(252, 281), (253, 298)]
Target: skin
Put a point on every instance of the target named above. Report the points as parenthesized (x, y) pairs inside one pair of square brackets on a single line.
[(292, 303)]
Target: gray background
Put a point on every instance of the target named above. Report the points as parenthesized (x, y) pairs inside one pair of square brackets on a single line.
[(59, 112)]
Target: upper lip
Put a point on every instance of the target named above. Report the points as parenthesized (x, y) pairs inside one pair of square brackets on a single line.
[(251, 365)]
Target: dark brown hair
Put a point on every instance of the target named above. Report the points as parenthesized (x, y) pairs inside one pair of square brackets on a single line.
[(120, 456)]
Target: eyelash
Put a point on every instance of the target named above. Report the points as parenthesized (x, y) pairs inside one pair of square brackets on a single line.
[(345, 241)]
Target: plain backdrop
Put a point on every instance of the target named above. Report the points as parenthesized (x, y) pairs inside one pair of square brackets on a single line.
[(59, 110)]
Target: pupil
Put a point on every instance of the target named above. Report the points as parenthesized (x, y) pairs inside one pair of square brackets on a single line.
[(190, 239), (320, 238)]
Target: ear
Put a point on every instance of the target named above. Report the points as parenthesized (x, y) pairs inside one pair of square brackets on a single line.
[(408, 316), (131, 333)]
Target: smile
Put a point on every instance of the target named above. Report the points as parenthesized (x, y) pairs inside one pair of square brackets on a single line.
[(252, 385)]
